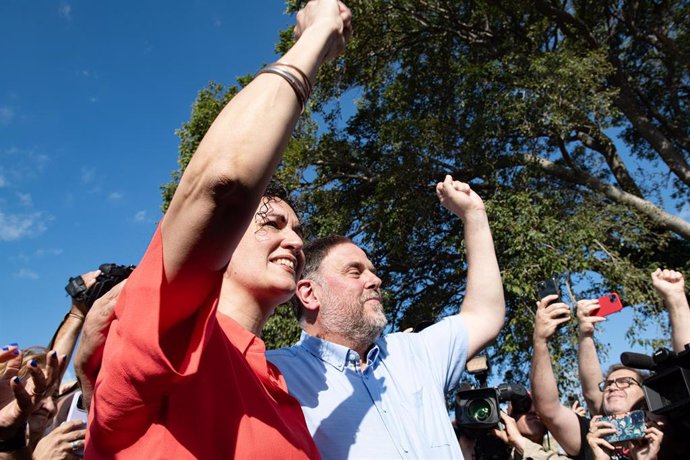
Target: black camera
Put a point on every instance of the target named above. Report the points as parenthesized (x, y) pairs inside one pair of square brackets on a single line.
[(478, 409), (111, 274), (667, 390)]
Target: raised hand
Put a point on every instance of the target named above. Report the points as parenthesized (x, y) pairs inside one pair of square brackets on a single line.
[(668, 282), (549, 317), (458, 197), (28, 395), (330, 16), (586, 322)]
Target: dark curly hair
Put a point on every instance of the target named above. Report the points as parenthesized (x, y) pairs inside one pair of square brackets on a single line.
[(275, 191)]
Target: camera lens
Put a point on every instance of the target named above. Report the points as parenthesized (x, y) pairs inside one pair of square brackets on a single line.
[(612, 298), (479, 410)]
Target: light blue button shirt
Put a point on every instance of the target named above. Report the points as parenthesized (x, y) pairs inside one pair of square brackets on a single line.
[(394, 408)]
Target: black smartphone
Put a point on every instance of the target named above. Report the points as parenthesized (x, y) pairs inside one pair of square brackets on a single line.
[(546, 287)]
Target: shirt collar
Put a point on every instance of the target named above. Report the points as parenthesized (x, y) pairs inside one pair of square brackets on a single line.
[(332, 353), (244, 340)]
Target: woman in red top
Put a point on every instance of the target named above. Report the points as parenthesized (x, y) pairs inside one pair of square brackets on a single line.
[(183, 372)]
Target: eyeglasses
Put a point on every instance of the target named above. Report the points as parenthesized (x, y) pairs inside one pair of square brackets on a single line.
[(621, 383)]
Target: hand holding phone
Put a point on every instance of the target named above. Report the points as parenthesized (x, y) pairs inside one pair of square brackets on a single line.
[(608, 304), (548, 287), (628, 426), (77, 411)]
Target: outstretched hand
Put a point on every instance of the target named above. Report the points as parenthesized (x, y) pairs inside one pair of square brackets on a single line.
[(458, 197), (331, 16)]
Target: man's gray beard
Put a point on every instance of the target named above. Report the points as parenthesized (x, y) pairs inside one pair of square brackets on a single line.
[(348, 321)]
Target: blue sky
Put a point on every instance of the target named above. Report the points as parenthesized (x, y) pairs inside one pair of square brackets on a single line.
[(90, 96)]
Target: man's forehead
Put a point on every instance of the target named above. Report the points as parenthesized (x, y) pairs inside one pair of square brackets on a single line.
[(622, 373), (344, 254)]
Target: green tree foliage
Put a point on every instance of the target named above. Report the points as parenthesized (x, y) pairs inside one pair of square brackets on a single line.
[(569, 118)]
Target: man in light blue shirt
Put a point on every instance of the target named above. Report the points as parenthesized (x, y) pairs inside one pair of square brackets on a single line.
[(366, 396)]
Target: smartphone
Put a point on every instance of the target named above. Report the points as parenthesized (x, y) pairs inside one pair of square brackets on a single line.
[(628, 426), (546, 287), (608, 304), (77, 411)]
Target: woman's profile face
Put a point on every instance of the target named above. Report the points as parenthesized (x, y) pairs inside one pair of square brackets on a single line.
[(269, 260)]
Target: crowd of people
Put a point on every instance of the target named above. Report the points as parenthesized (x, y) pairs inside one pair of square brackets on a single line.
[(171, 365)]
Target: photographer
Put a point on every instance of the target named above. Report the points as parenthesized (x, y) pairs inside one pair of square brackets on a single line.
[(525, 433)]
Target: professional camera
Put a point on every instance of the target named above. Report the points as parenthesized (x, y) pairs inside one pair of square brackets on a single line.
[(667, 390), (111, 274), (478, 409)]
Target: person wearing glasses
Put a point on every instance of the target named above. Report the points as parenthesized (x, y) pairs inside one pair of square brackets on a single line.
[(620, 390)]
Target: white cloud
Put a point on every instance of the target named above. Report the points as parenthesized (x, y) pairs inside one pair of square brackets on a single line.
[(26, 274), (47, 252), (140, 216), (16, 226), (217, 22), (3, 181), (93, 99), (147, 47), (87, 174), (6, 115), (115, 196), (20, 164), (25, 199), (65, 11)]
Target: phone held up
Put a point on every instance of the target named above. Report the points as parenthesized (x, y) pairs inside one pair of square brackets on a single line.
[(77, 411), (548, 286), (628, 426), (608, 304)]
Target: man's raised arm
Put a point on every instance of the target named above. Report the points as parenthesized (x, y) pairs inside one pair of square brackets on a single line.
[(671, 287), (483, 308)]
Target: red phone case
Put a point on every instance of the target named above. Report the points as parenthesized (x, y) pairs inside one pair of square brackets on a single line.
[(608, 304)]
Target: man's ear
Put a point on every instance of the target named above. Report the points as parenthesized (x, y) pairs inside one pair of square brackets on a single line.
[(306, 293)]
